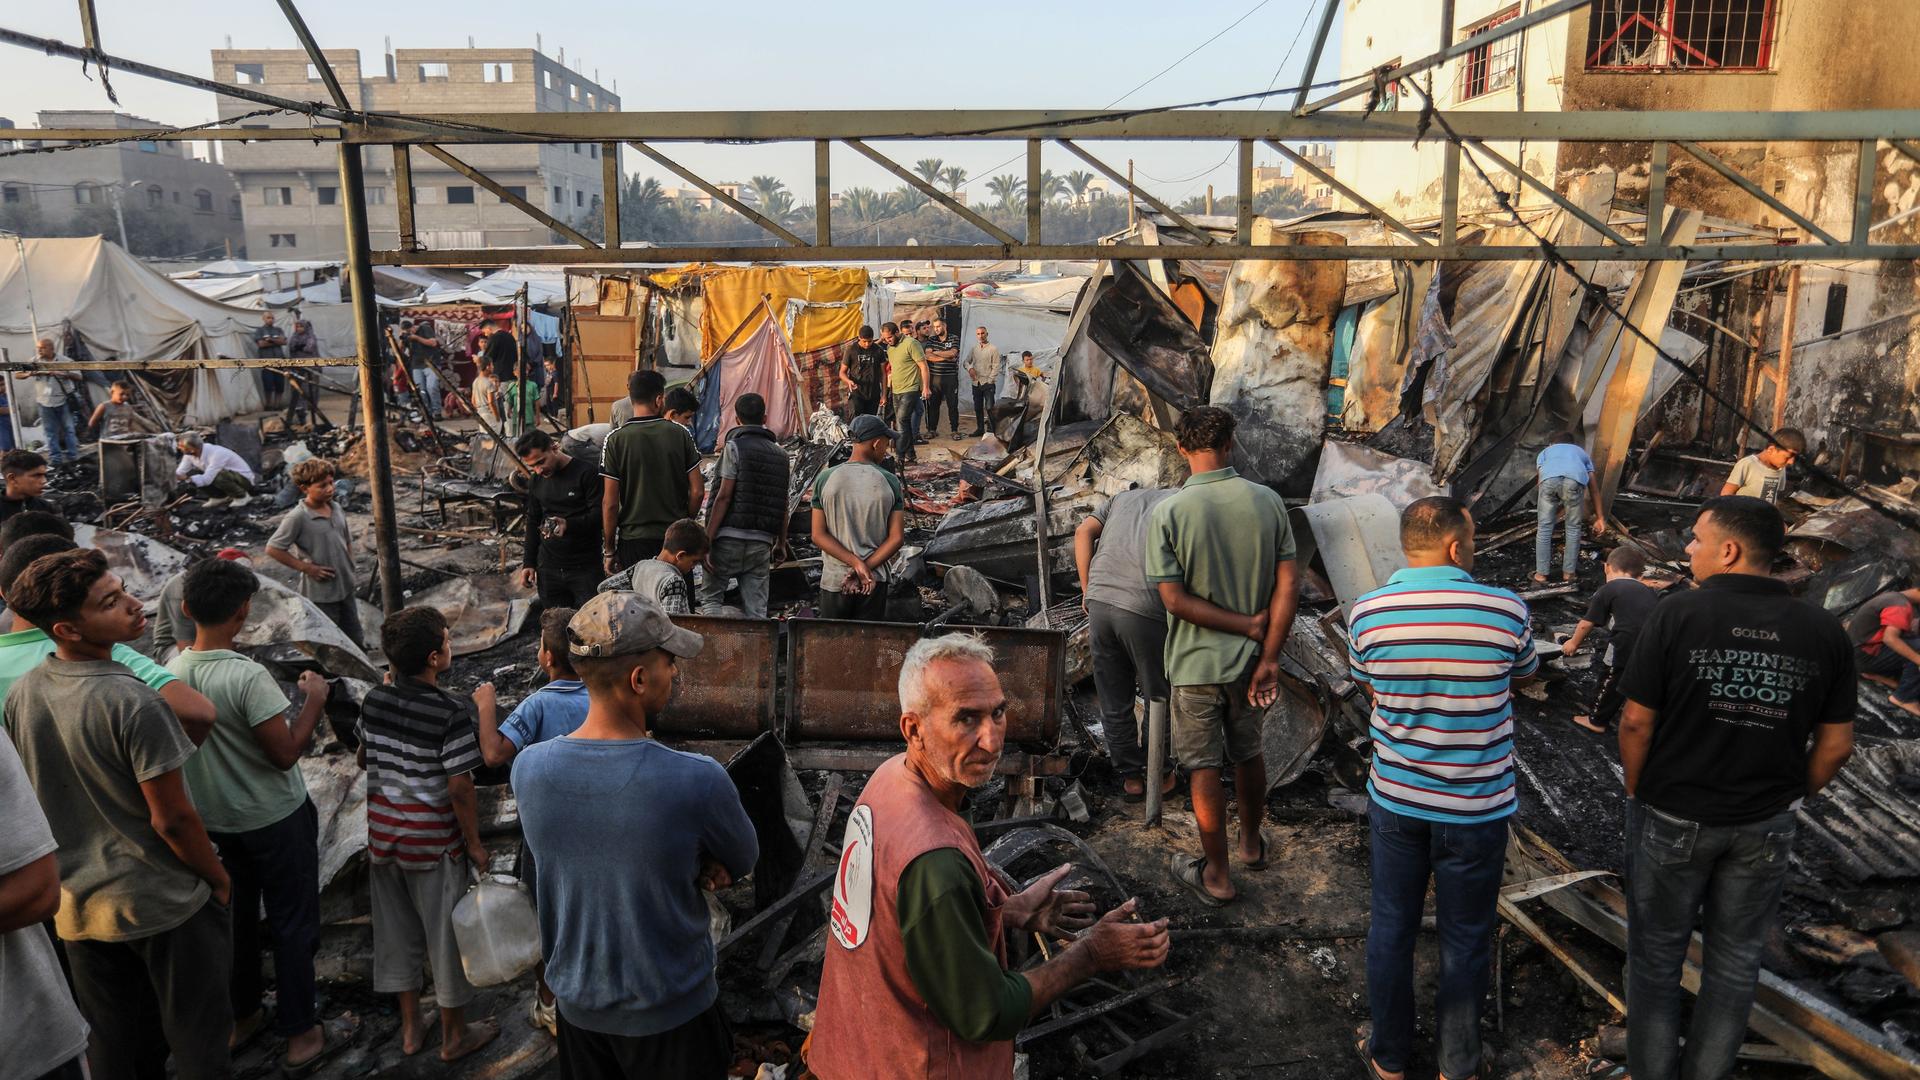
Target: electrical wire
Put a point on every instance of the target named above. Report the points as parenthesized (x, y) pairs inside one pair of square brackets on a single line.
[(144, 135), (1599, 294), (1184, 56)]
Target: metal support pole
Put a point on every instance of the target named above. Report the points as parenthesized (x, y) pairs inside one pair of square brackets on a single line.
[(1783, 370), (822, 192), (119, 218), (1657, 190), (1156, 757), (366, 333), (1243, 206), (1034, 195), (1450, 196), (1313, 55)]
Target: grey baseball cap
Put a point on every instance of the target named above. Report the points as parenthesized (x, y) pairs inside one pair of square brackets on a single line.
[(625, 623), (868, 426)]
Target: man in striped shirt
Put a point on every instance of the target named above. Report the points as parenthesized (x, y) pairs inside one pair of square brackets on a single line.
[(418, 745), (1438, 654)]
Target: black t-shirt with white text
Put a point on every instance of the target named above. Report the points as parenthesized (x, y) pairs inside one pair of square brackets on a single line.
[(1621, 605), (1739, 672)]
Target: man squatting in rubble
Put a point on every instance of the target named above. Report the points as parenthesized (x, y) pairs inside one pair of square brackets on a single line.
[(916, 980)]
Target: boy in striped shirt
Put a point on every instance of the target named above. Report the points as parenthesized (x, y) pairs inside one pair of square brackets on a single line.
[(1438, 654), (418, 745)]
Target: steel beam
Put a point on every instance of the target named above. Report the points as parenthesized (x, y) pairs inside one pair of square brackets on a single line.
[(1035, 197), (729, 201), (1134, 191), (1553, 196), (932, 192), (822, 192), (1863, 190), (1243, 205), (409, 239), (1711, 161), (1459, 48), (1300, 162), (1908, 149), (373, 399), (1313, 55), (509, 197), (1450, 196), (1657, 188), (610, 194), (319, 59), (187, 362)]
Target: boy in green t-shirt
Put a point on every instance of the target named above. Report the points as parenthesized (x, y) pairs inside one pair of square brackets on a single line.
[(246, 782)]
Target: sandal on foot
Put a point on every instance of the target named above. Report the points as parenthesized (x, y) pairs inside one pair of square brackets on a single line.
[(1190, 872), (335, 1035), (1362, 1036), (1261, 862)]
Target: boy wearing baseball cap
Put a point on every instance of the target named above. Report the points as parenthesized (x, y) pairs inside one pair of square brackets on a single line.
[(629, 958), (859, 522)]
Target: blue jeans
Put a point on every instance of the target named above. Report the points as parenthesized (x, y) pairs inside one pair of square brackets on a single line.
[(1675, 868), (1559, 493), (56, 421), (1465, 863)]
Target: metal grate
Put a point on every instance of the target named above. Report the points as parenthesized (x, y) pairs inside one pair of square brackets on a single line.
[(1680, 35)]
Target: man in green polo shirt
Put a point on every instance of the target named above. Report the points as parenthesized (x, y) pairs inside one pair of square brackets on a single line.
[(908, 379), (23, 650), (650, 474), (1221, 554)]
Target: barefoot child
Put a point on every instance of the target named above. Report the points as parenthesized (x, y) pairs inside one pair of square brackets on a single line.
[(1622, 604)]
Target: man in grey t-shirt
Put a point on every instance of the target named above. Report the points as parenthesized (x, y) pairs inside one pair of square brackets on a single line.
[(859, 522), (43, 1029), (1128, 623)]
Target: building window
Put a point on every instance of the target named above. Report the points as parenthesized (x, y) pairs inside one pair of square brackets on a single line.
[(233, 207), (590, 102), (1836, 317), (155, 198), (1392, 93), (12, 194), (1491, 66), (1681, 35), (86, 193), (426, 196), (326, 196), (176, 198), (559, 196), (573, 91), (148, 146), (460, 195), (576, 147), (313, 73), (593, 150), (277, 196), (281, 240), (203, 201), (433, 72), (497, 72), (518, 191), (546, 79), (579, 198), (376, 196), (249, 74)]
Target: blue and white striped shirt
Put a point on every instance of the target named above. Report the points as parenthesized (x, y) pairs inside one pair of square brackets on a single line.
[(1440, 651)]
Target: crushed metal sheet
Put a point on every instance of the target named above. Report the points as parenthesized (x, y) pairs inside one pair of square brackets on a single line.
[(1136, 324), (482, 611), (1349, 469)]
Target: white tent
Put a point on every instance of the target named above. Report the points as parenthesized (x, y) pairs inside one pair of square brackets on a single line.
[(123, 309)]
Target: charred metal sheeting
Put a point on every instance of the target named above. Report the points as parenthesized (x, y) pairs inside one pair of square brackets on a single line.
[(1377, 364), (1272, 351), (843, 679), (482, 611), (1850, 526), (727, 691), (338, 789), (1136, 324), (1357, 541), (1814, 1031), (144, 565), (996, 538), (1349, 469), (1841, 586), (1866, 823), (1128, 452), (1291, 729), (778, 808), (287, 628)]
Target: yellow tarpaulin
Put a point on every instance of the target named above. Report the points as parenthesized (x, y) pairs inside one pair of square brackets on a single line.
[(832, 296)]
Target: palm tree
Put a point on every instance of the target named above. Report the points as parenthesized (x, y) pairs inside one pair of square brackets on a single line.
[(1052, 185), (779, 206), (765, 188), (929, 168), (908, 198), (953, 176), (1077, 182), (863, 204), (1006, 187)]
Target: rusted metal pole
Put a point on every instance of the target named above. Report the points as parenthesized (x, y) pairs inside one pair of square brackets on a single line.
[(1783, 370), (366, 333)]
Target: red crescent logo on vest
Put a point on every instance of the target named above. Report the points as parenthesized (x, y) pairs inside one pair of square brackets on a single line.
[(852, 910)]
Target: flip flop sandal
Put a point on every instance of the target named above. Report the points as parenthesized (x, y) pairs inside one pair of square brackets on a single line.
[(1261, 862), (1188, 872), (1134, 796), (1602, 1069), (1362, 1036), (335, 1035)]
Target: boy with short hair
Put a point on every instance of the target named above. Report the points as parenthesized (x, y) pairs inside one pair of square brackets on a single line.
[(1566, 490), (25, 473), (1622, 606), (318, 528), (246, 783), (858, 522), (115, 417), (1764, 475), (417, 744), (680, 406), (144, 905), (663, 578), (747, 520)]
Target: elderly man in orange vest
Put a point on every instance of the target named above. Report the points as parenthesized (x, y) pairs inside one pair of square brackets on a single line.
[(916, 981)]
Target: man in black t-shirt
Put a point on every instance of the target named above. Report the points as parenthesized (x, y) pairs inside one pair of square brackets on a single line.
[(561, 555), (1620, 607), (865, 365), (1728, 686)]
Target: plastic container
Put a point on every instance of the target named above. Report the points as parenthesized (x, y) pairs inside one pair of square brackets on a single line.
[(498, 934)]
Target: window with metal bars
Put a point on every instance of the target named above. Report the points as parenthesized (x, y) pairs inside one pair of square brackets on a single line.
[(1491, 66), (1681, 35)]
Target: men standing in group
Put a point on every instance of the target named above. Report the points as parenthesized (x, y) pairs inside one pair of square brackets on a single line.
[(1438, 654), (561, 552), (943, 367), (858, 523), (270, 342), (1128, 624), (1220, 553), (629, 955), (1740, 702), (748, 519), (650, 473), (907, 378), (246, 783), (861, 374), (144, 904), (1880, 631), (915, 981), (1764, 475), (983, 371), (56, 416)]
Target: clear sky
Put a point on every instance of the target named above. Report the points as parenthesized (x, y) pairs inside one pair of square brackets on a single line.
[(751, 55)]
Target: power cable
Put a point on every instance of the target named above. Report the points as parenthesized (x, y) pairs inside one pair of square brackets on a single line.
[(1184, 56), (131, 136)]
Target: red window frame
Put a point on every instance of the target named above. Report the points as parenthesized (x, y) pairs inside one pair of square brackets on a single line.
[(1477, 72), (1683, 55)]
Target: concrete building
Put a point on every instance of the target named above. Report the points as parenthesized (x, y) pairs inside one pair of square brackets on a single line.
[(1852, 369), (290, 191), (174, 204), (696, 199), (1317, 192)]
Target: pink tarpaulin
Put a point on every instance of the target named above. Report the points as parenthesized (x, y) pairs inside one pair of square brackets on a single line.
[(758, 364)]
